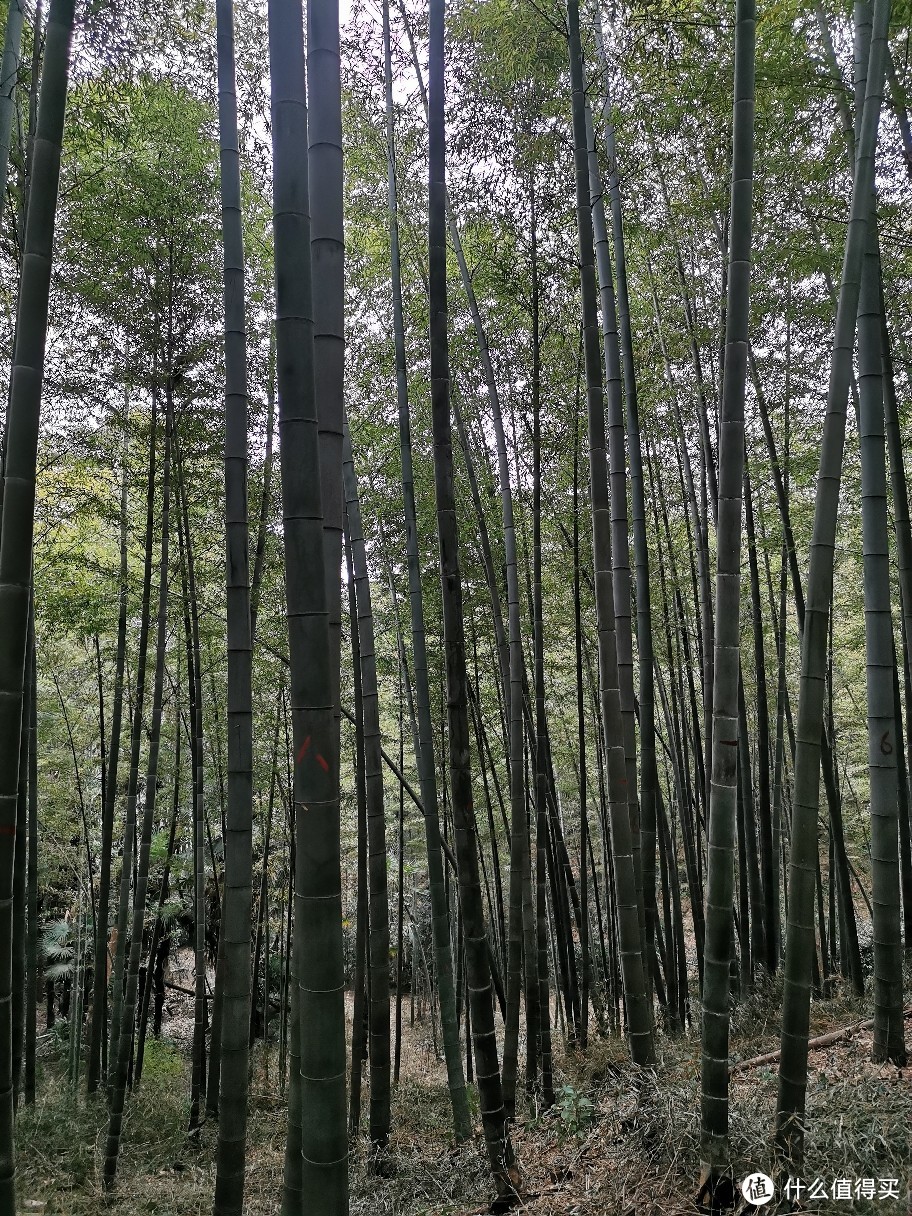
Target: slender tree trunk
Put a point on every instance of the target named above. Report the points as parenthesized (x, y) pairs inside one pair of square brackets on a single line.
[(541, 937), (538, 1030), (802, 866), (324, 155), (842, 101), (725, 729), (259, 560), (491, 386), (136, 733), (378, 919), (519, 836), (764, 804), (262, 929), (648, 772), (519, 841), (638, 1010), (779, 774), (195, 703), (827, 756), (497, 917), (905, 811), (620, 544), (359, 983), (158, 933), (287, 918), (19, 874), (443, 957), (32, 964), (316, 1163), (904, 561), (100, 975), (18, 519), (493, 1114), (80, 796), (128, 1013), (691, 861), (237, 900), (880, 652), (214, 1073), (751, 858), (9, 75), (400, 876)]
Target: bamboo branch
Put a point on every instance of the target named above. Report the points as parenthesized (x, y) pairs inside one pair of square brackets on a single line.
[(823, 1040)]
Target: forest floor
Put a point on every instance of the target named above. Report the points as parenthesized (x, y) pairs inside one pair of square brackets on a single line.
[(619, 1140)]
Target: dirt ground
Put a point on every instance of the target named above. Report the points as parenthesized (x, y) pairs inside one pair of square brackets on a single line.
[(618, 1140)]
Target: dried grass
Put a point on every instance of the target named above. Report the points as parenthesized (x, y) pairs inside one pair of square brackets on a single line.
[(639, 1155)]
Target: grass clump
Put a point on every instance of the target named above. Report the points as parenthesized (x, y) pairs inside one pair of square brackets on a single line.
[(619, 1139)]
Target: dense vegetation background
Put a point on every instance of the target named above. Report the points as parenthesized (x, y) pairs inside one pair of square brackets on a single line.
[(135, 370)]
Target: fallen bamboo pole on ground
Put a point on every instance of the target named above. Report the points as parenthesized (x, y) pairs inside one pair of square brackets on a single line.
[(823, 1040), (184, 991)]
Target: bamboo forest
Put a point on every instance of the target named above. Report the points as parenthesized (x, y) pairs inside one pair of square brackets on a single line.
[(455, 607)]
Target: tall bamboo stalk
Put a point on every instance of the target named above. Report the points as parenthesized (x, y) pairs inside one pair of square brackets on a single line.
[(100, 974), (378, 899), (327, 251), (880, 653), (20, 896), (727, 663), (638, 1011), (31, 949), (620, 544), (9, 77), (316, 1164), (493, 1113), (799, 950), (121, 1058), (18, 518), (237, 900), (648, 773), (443, 957), (136, 733)]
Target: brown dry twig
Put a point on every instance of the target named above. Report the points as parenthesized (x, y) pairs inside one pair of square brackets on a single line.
[(823, 1040)]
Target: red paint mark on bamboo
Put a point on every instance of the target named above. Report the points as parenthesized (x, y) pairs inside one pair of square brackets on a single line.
[(7, 829), (324, 764), (304, 746)]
